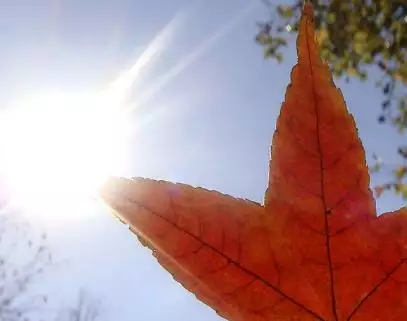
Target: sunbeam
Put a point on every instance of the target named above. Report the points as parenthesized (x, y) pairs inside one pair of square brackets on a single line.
[(192, 57), (117, 90), (60, 147)]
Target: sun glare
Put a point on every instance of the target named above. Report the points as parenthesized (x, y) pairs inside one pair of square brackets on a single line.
[(58, 149)]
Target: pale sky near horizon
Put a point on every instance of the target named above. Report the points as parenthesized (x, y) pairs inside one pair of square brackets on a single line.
[(209, 126)]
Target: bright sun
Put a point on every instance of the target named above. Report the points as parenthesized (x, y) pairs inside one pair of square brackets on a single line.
[(58, 149)]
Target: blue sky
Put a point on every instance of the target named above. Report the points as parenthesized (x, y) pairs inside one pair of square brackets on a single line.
[(209, 126)]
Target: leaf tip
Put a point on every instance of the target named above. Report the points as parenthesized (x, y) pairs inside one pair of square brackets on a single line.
[(308, 9), (307, 44)]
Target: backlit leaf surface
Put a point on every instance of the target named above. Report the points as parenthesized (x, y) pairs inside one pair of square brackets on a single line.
[(316, 249)]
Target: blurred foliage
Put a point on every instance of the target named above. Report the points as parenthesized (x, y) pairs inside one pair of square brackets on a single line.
[(24, 257), (356, 37), (86, 309)]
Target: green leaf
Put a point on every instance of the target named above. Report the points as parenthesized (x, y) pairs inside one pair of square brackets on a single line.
[(285, 12)]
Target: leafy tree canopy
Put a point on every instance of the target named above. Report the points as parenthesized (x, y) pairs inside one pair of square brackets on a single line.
[(356, 37)]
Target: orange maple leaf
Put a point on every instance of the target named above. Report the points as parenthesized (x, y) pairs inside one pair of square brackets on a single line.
[(316, 250)]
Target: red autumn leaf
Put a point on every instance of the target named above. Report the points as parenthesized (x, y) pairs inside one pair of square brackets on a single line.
[(316, 250)]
